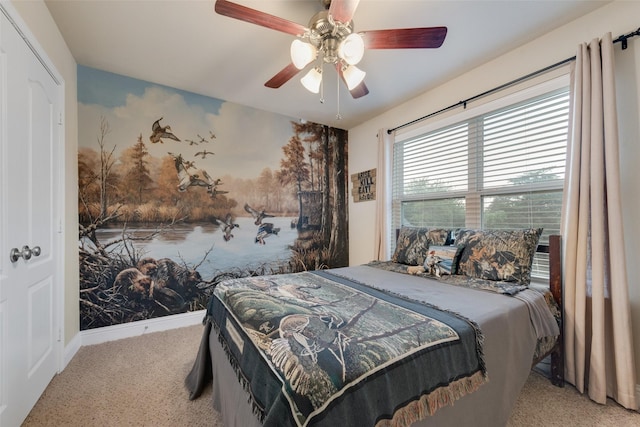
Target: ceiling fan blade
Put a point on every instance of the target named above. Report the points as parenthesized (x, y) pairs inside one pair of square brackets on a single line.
[(283, 76), (343, 10), (405, 38), (358, 91), (253, 16)]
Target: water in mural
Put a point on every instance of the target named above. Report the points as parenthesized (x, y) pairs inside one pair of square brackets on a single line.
[(189, 242), (178, 192)]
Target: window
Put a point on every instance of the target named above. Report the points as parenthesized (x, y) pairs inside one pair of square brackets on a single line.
[(501, 169)]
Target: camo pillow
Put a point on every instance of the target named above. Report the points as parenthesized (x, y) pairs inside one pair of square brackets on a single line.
[(502, 255), (413, 243)]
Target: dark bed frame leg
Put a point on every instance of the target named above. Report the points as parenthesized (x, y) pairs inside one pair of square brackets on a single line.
[(557, 368), (555, 284)]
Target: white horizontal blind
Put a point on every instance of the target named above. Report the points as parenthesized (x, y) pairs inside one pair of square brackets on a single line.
[(500, 170), (437, 162), (526, 144), (431, 178)]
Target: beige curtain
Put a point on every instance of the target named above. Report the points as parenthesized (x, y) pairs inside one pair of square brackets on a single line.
[(598, 336), (383, 196)]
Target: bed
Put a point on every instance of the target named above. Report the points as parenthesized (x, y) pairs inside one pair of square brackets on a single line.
[(386, 343)]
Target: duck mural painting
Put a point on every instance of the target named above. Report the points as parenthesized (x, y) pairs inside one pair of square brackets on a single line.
[(178, 191)]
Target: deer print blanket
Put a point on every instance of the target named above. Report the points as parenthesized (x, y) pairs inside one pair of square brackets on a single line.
[(313, 348)]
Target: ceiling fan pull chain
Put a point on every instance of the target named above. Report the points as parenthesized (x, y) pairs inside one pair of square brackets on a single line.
[(322, 82), (338, 115)]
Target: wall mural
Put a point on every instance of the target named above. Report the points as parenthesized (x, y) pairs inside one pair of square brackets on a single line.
[(178, 191)]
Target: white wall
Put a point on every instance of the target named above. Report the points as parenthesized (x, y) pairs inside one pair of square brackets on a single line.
[(619, 17), (41, 24)]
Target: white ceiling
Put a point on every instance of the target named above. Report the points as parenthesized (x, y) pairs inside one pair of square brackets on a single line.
[(184, 44)]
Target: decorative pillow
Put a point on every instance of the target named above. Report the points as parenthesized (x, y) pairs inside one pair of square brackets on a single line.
[(413, 242), (439, 236), (504, 255), (447, 258)]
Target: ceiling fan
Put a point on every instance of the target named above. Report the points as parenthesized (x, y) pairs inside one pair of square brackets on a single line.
[(330, 38)]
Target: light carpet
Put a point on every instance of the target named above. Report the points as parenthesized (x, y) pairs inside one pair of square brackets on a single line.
[(140, 382)]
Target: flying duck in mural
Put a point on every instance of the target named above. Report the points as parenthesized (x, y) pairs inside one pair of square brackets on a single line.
[(189, 164), (257, 215), (227, 227), (200, 178), (265, 230), (203, 153), (213, 190), (159, 132)]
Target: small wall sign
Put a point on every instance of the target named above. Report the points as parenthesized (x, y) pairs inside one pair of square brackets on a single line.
[(364, 186)]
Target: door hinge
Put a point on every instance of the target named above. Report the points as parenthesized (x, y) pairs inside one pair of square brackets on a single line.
[(60, 119)]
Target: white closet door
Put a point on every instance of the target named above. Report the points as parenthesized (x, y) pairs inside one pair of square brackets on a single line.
[(29, 211)]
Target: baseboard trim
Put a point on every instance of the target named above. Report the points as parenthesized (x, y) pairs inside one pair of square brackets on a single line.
[(133, 329), (70, 350)]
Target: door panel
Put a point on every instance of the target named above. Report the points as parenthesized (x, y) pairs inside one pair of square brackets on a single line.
[(41, 128), (29, 148), (40, 333)]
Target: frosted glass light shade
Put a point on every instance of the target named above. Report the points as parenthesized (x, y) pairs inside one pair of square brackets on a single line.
[(302, 53), (311, 81), (353, 76), (351, 49)]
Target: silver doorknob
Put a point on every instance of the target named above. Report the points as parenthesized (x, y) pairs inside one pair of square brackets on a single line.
[(25, 253)]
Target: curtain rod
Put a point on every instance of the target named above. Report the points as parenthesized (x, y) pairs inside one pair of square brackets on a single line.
[(621, 39)]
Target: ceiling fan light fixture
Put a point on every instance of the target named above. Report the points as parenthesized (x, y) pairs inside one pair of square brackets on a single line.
[(311, 81), (302, 53), (353, 76), (351, 49), (330, 38)]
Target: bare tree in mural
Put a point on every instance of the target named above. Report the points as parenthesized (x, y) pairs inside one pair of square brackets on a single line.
[(106, 165), (88, 181), (96, 179)]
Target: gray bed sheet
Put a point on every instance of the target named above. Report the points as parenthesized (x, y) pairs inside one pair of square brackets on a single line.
[(509, 343)]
